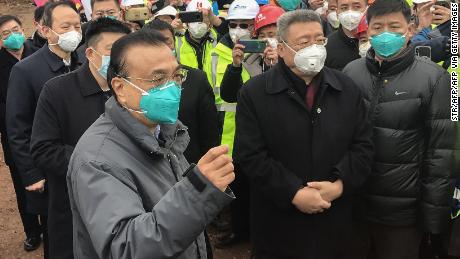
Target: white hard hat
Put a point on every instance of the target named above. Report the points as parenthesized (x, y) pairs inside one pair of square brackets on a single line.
[(195, 5), (243, 10), (420, 1), (168, 10)]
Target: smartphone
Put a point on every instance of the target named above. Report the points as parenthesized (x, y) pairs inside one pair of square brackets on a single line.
[(423, 51), (253, 46), (157, 6), (189, 17), (137, 14), (443, 3)]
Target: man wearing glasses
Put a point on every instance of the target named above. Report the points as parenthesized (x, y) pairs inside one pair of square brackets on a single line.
[(303, 141), (132, 192)]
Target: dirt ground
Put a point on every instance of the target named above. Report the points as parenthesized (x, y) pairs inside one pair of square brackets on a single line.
[(11, 232)]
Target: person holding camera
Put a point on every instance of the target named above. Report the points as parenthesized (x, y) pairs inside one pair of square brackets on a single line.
[(194, 49)]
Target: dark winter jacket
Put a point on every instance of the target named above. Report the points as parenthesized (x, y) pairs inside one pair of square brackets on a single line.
[(67, 106), (341, 50), (413, 175), (7, 61), (198, 112), (26, 82)]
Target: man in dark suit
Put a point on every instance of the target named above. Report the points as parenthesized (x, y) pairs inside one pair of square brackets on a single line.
[(61, 27), (67, 106), (15, 49), (197, 109)]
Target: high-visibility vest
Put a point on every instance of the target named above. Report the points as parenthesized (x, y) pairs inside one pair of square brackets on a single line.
[(224, 58), (186, 56)]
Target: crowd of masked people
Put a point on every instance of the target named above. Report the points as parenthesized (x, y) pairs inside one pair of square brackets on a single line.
[(334, 141)]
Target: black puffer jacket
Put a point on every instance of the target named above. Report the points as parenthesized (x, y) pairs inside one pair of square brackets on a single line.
[(413, 175)]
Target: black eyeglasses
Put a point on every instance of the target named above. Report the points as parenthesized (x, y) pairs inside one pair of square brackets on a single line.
[(243, 26)]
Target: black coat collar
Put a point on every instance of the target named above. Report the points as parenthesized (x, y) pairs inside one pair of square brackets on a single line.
[(277, 83), (392, 66), (347, 40), (87, 83), (7, 59), (55, 62)]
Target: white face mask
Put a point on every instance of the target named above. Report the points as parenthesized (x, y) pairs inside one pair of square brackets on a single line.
[(363, 48), (350, 19), (310, 60), (333, 19), (239, 34), (68, 41), (198, 29)]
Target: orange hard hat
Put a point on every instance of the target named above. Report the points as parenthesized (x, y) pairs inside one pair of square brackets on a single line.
[(268, 14)]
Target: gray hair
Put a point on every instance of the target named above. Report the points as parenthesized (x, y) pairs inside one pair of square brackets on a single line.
[(297, 16)]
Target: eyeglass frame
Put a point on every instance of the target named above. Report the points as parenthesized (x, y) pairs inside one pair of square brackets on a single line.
[(165, 80), (294, 47), (15, 29), (234, 25), (106, 13)]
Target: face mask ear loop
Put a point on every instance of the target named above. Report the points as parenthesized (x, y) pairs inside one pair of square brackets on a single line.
[(135, 86), (289, 47)]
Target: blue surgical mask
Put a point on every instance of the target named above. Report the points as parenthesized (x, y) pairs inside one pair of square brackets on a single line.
[(388, 44), (14, 41), (112, 17), (160, 104), (105, 61), (289, 5)]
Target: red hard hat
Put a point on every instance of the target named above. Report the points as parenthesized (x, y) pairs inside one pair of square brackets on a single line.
[(268, 14), (362, 27)]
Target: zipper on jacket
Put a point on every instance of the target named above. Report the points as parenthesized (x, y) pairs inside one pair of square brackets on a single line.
[(377, 87), (177, 178)]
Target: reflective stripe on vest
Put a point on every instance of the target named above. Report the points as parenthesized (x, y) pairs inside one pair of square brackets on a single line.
[(226, 107), (179, 45)]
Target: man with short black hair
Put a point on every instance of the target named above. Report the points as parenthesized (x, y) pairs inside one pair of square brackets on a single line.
[(67, 106), (146, 201), (413, 175), (13, 50), (61, 27), (38, 40), (106, 8), (343, 45)]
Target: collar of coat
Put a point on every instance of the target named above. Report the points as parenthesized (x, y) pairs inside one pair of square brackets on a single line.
[(175, 136), (347, 40), (55, 62), (86, 81), (275, 85), (391, 66)]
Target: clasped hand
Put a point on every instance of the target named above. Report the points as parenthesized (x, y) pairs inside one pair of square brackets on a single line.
[(317, 196)]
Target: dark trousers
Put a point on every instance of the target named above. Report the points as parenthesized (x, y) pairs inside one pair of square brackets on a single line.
[(375, 241), (30, 222), (240, 207), (44, 225)]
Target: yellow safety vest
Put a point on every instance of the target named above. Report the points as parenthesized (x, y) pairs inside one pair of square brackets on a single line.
[(186, 55), (224, 59)]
